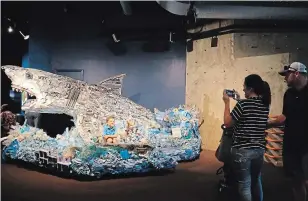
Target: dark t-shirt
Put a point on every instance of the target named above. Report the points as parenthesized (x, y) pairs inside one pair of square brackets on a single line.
[(295, 109)]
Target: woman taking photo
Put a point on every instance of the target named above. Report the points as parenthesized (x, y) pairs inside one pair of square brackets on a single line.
[(249, 121)]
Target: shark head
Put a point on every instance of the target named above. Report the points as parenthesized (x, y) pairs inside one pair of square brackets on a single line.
[(45, 88), (22, 80)]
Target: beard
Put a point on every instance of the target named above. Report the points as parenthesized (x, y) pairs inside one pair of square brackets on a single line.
[(289, 84)]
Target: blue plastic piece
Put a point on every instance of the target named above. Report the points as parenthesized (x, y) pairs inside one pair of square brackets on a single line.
[(154, 131), (124, 154), (188, 153), (24, 129), (11, 150)]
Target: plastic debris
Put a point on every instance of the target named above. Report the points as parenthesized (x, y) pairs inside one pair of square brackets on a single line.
[(139, 148)]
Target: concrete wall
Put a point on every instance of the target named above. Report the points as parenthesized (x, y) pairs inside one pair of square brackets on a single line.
[(210, 70)]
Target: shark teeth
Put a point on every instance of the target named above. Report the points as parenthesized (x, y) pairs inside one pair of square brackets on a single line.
[(22, 90), (15, 89)]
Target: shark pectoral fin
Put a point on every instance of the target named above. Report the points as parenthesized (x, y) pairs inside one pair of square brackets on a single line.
[(114, 83)]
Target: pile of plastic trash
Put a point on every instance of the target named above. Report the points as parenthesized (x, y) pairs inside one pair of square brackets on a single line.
[(173, 137)]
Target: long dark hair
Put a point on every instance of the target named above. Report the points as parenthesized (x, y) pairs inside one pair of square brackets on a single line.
[(260, 87)]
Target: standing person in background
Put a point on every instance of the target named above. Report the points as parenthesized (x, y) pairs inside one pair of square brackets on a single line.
[(249, 119), (295, 118)]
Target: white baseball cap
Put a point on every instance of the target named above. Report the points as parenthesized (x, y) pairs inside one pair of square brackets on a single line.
[(294, 67)]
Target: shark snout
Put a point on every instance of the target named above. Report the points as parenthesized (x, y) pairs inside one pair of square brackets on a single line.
[(4, 67), (10, 67)]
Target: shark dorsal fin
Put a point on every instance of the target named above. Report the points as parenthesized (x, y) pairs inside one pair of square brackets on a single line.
[(114, 83)]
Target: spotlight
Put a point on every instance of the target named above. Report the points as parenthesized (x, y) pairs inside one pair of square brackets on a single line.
[(26, 37), (10, 29), (171, 37), (11, 25), (115, 38), (214, 41)]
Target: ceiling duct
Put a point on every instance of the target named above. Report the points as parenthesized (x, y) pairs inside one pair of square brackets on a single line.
[(174, 7), (126, 7), (211, 11)]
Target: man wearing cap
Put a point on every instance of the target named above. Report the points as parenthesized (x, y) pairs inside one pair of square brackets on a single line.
[(295, 118)]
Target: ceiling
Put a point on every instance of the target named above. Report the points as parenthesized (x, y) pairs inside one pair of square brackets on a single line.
[(144, 14)]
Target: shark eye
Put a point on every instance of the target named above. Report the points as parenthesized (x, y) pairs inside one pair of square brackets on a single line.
[(29, 76)]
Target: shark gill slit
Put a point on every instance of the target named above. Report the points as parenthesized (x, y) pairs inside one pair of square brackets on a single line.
[(74, 98), (70, 97)]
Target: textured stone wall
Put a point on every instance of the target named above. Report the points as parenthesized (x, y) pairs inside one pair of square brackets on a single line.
[(210, 70)]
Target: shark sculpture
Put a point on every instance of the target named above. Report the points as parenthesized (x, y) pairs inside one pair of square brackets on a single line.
[(88, 104)]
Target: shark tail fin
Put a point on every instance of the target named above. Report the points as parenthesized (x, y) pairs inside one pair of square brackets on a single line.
[(114, 83)]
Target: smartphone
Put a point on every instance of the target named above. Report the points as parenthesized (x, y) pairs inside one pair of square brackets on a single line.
[(231, 93)]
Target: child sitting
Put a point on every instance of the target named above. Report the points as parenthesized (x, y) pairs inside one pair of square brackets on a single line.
[(109, 131)]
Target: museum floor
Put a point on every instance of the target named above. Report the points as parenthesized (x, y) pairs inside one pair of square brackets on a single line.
[(195, 181)]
